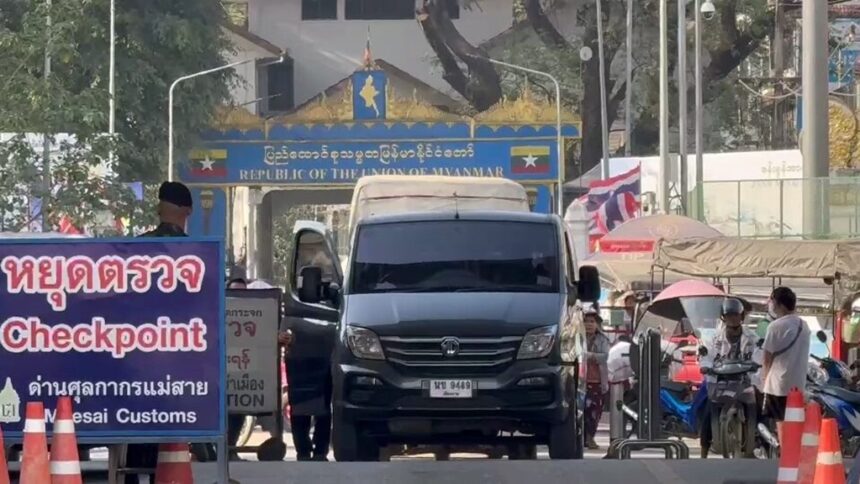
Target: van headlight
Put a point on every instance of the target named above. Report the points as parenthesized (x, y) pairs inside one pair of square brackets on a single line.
[(364, 343), (537, 343)]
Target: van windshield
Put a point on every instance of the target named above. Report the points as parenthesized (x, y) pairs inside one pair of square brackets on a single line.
[(456, 256)]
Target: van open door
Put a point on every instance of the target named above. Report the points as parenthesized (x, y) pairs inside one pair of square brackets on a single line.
[(315, 275)]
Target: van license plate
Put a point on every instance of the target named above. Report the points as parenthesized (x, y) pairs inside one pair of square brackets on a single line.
[(450, 388)]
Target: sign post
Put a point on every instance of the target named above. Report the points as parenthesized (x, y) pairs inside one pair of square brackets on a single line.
[(253, 319), (131, 329)]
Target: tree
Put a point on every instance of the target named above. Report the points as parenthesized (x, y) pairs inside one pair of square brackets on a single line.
[(157, 41), (467, 71)]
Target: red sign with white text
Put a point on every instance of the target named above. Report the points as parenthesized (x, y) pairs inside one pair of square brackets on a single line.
[(625, 245)]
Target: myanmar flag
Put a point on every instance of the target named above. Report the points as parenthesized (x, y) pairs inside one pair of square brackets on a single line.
[(208, 163), (530, 159)]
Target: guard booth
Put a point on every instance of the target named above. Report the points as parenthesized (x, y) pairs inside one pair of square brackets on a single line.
[(252, 177)]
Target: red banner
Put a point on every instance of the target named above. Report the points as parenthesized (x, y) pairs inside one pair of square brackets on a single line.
[(625, 245)]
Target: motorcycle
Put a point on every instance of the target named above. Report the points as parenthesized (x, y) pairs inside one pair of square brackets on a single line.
[(682, 406), (733, 407), (829, 384)]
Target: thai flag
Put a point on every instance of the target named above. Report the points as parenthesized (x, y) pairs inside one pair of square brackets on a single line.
[(67, 227), (613, 201)]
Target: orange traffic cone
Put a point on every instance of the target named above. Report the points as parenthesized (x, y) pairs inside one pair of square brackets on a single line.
[(809, 443), (174, 465), (829, 469), (34, 465), (4, 469), (65, 465), (790, 437)]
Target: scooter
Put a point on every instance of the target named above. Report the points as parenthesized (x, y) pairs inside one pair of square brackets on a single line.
[(838, 400), (682, 406), (733, 407)]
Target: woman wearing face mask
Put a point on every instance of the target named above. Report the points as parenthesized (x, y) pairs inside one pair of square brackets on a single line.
[(597, 350)]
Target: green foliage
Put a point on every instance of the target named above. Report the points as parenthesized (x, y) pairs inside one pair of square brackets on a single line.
[(737, 117), (157, 42)]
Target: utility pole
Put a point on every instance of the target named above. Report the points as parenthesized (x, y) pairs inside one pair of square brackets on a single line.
[(46, 141), (665, 162), (682, 102), (815, 138), (628, 86)]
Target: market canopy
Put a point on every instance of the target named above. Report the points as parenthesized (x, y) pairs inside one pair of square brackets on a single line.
[(752, 267), (743, 258)]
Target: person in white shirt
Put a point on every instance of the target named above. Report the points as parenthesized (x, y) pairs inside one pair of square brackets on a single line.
[(786, 352)]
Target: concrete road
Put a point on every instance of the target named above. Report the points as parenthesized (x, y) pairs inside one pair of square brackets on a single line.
[(641, 471), (602, 439), (647, 468)]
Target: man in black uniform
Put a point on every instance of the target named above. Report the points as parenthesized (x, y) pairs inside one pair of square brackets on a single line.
[(174, 208)]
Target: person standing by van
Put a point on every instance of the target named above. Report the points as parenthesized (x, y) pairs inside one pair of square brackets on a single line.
[(597, 351), (786, 351)]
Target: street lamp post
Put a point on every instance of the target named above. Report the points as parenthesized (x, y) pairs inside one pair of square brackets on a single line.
[(559, 141), (682, 103), (604, 124), (170, 104), (111, 81), (698, 111), (700, 11)]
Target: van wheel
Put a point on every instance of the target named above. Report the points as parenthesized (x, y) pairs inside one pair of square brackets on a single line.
[(349, 445), (567, 439)]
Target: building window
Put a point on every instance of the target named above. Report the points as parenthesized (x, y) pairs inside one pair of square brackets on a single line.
[(236, 13), (319, 9), (276, 87), (390, 9), (380, 9)]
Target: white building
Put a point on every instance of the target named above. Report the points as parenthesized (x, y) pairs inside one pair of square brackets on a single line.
[(325, 40)]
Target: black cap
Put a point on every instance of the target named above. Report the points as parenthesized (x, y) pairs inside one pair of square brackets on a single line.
[(175, 193)]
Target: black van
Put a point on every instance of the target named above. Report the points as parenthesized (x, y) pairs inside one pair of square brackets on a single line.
[(452, 329)]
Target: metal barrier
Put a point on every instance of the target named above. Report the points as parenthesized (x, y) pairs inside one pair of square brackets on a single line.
[(649, 415), (773, 208)]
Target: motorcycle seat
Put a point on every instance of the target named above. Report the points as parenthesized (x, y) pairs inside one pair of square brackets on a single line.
[(674, 386), (842, 394)]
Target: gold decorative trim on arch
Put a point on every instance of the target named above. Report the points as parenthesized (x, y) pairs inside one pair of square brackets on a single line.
[(526, 109), (415, 110), (236, 117), (337, 109)]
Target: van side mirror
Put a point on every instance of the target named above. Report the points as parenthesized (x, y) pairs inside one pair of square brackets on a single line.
[(589, 284), (821, 335), (703, 351), (310, 285)]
